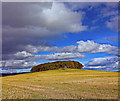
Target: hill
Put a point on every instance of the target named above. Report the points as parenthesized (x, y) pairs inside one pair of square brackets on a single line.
[(57, 65), (61, 84)]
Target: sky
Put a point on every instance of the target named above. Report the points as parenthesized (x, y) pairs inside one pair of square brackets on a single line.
[(35, 33)]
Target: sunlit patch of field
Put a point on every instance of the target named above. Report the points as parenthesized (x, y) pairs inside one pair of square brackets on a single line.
[(61, 84)]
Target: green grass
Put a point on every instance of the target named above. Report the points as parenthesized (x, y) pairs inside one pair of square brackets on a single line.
[(61, 84)]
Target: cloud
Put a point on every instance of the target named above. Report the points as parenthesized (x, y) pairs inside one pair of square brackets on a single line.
[(83, 5), (92, 47), (106, 63), (107, 49), (113, 23), (36, 49), (111, 13), (62, 19), (31, 23), (56, 56), (102, 61), (14, 70), (112, 39), (26, 27), (16, 64), (53, 16), (87, 46), (8, 71), (111, 4), (27, 57), (66, 52), (94, 27), (23, 54), (28, 31), (23, 14), (81, 47), (107, 11), (29, 60)]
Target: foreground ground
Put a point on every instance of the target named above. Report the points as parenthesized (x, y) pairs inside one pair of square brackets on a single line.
[(61, 84)]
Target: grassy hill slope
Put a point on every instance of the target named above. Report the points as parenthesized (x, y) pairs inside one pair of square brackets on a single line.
[(61, 84)]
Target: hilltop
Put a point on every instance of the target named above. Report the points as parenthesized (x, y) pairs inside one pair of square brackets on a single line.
[(57, 65)]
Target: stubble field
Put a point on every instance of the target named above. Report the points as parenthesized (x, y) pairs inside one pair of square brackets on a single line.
[(61, 84)]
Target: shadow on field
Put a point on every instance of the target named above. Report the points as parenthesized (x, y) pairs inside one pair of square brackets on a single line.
[(10, 74)]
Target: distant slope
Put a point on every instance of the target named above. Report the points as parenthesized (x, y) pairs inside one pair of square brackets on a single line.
[(57, 65)]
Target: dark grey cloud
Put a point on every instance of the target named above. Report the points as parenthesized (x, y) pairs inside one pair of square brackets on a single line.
[(18, 14), (32, 23)]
